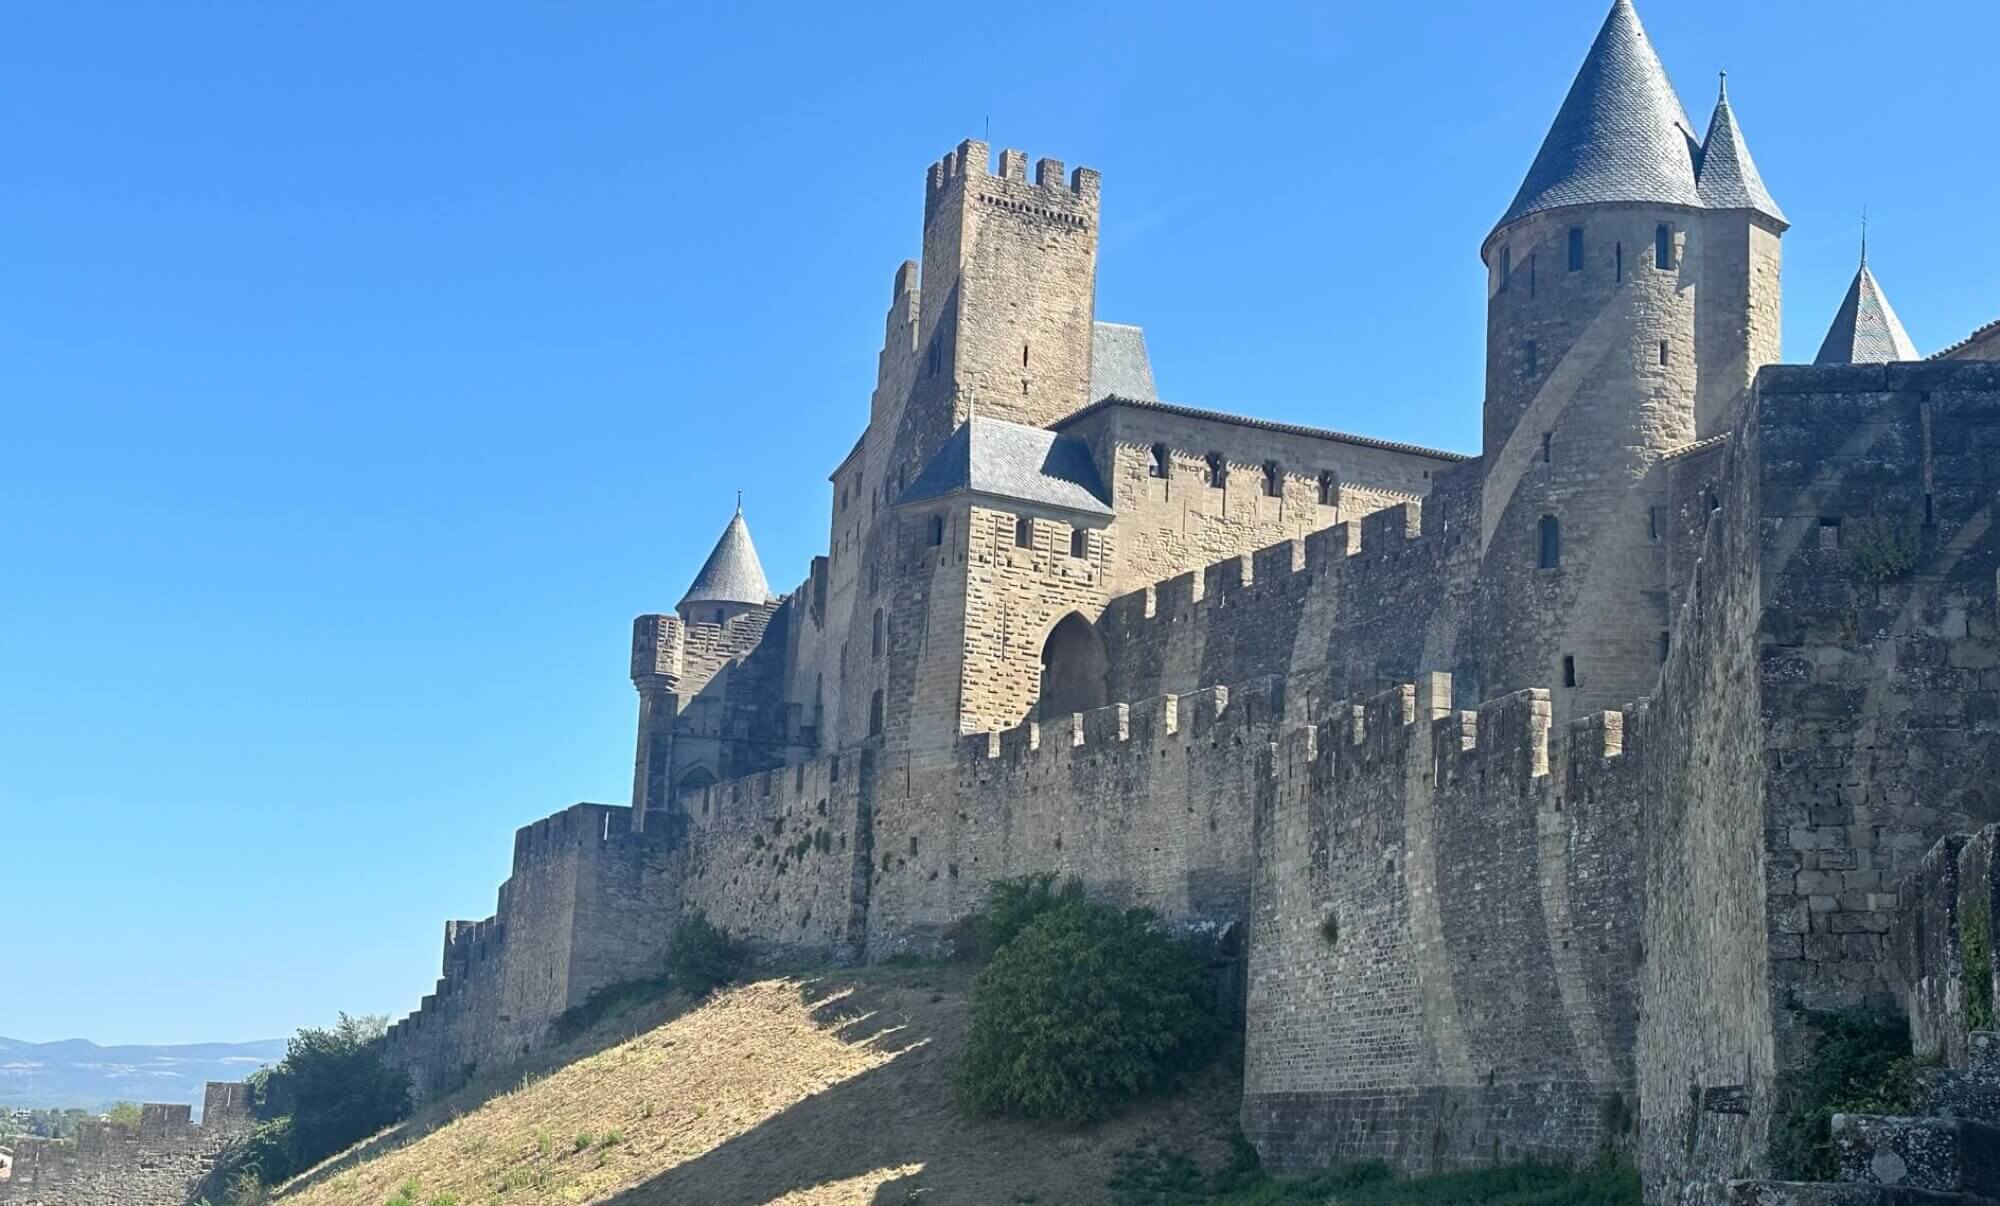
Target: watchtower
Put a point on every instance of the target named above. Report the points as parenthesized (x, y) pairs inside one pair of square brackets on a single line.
[(1632, 296)]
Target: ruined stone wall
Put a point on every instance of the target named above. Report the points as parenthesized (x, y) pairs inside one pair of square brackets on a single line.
[(157, 1163), (1946, 953), (1442, 937)]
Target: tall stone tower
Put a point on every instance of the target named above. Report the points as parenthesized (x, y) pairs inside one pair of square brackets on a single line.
[(1632, 295)]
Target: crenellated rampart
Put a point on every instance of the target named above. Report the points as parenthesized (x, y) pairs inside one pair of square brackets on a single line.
[(159, 1162)]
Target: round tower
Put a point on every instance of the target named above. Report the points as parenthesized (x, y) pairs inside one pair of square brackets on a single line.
[(731, 581), (1594, 358)]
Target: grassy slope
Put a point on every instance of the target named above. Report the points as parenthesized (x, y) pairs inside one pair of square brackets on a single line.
[(803, 1092)]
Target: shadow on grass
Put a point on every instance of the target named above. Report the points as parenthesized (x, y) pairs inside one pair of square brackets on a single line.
[(434, 1115)]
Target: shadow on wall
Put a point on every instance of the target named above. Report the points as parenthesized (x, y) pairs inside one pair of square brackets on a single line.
[(1074, 668)]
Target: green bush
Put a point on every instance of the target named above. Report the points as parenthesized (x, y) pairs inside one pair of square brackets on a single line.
[(1081, 1011), (1860, 1064), (1011, 904), (331, 1090), (701, 958), (124, 1115)]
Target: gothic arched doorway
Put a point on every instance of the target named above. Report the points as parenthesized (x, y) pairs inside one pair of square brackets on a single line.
[(1073, 668)]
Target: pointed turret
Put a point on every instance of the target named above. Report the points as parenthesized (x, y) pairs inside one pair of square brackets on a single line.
[(732, 574), (1866, 330), (1727, 177), (1621, 134)]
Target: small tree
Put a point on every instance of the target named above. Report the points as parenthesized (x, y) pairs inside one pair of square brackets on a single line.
[(334, 1089), (124, 1115), (1084, 1009)]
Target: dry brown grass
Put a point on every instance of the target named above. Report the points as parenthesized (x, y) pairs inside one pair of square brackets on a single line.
[(805, 1092)]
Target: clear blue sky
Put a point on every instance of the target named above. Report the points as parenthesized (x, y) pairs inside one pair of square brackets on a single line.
[(366, 367)]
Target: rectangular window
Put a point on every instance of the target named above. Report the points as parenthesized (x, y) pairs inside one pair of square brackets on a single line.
[(1506, 268), (1663, 351), (1530, 354), (1652, 523), (1663, 246), (1531, 274), (1576, 249), (1664, 645), (1618, 254), (1329, 490), (1079, 544), (1569, 670), (1548, 448)]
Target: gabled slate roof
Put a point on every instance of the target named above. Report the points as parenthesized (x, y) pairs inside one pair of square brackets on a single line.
[(1727, 177), (732, 573), (1007, 460), (1118, 362), (1865, 329), (1621, 134)]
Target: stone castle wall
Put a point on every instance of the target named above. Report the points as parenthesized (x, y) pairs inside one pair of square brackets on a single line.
[(157, 1163)]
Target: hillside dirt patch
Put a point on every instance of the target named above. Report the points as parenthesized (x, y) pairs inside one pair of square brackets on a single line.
[(813, 1091)]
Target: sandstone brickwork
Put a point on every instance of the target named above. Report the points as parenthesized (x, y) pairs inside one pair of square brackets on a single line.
[(1536, 800)]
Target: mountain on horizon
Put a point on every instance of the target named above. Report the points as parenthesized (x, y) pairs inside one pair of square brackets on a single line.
[(80, 1074)]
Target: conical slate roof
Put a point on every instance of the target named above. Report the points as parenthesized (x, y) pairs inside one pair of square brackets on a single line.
[(732, 573), (1866, 330), (1727, 178), (1621, 134)]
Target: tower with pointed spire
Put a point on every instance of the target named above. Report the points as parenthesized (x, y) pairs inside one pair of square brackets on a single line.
[(1632, 296), (1865, 330), (730, 582)]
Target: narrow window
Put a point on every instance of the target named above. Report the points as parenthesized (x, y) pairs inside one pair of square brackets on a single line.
[(843, 500), (1532, 354), (875, 713), (875, 635), (1569, 670), (1619, 253), (1829, 532), (1663, 351), (1665, 644), (1218, 470), (1024, 532), (1930, 511), (1024, 355), (1548, 448), (1663, 246), (935, 359), (1576, 249), (1079, 545), (1506, 268), (1531, 274), (1329, 490), (1652, 523), (1551, 542), (1156, 461), (937, 530), (1274, 480)]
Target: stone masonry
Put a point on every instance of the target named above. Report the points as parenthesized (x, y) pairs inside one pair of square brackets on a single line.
[(1540, 798), (157, 1163)]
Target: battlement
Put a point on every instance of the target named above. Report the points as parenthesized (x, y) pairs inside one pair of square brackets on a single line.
[(578, 826), (969, 167), (1380, 543), (159, 1160), (1212, 714)]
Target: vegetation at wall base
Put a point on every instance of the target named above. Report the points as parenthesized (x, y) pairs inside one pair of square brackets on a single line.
[(1860, 1064), (701, 958), (1011, 904), (1084, 1009), (1150, 1176)]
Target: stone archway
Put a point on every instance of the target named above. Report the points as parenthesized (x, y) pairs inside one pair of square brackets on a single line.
[(1073, 668)]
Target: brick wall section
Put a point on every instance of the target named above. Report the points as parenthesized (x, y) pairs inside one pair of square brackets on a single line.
[(1419, 880), (775, 856), (157, 1164)]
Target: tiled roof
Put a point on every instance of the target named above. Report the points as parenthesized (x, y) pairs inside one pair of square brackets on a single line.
[(1008, 460), (1621, 134), (732, 573), (1727, 177), (1216, 416), (1990, 329), (1865, 329), (1118, 362)]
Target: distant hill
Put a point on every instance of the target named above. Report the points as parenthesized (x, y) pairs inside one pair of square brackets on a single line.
[(75, 1073)]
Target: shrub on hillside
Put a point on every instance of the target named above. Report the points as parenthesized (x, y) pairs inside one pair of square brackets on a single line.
[(1084, 1009), (702, 958), (1010, 905)]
